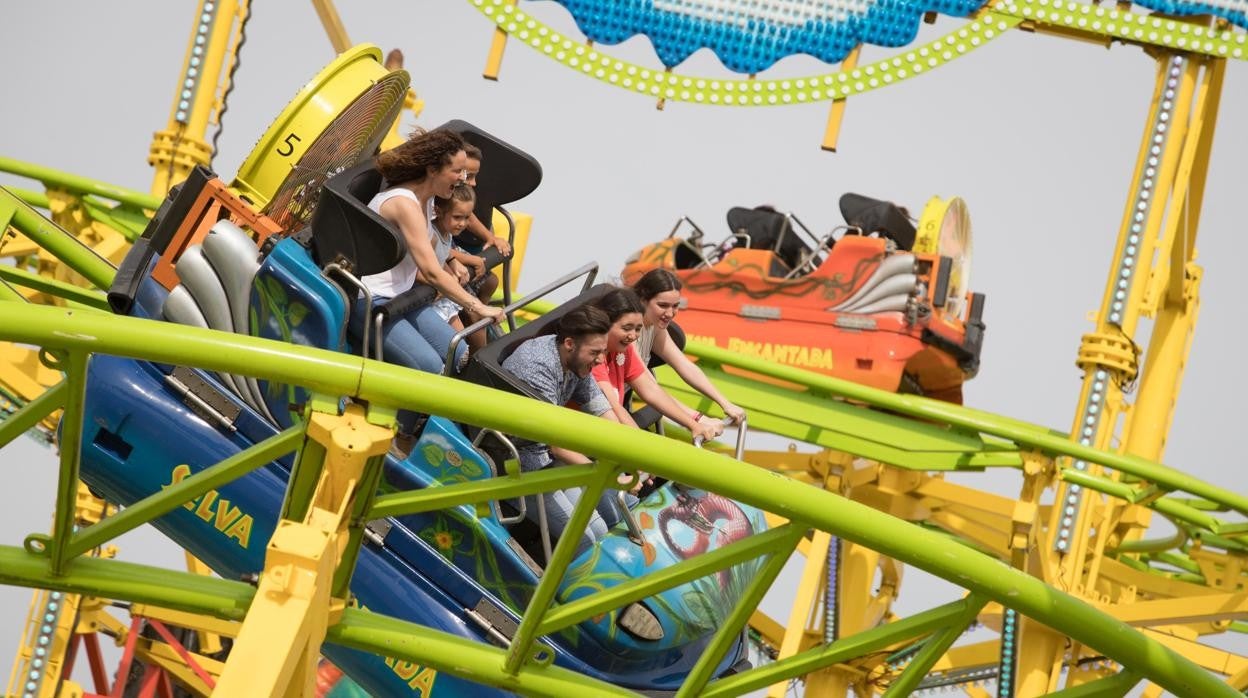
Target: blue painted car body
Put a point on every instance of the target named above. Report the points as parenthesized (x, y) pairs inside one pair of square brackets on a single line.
[(140, 437)]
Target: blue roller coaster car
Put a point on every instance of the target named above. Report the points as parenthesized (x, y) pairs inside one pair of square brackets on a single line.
[(457, 570)]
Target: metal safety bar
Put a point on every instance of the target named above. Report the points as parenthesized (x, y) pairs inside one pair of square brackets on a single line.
[(824, 245), (741, 431), (544, 526), (685, 219), (793, 217), (634, 529), (368, 300), (511, 447), (694, 242), (511, 240), (589, 270)]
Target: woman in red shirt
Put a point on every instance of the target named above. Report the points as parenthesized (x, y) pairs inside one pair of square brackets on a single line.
[(623, 367)]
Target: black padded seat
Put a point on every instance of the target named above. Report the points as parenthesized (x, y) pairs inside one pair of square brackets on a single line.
[(876, 216), (486, 366), (769, 230), (686, 257), (508, 174), (346, 231)]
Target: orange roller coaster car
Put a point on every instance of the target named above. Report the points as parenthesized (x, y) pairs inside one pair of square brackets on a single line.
[(886, 304)]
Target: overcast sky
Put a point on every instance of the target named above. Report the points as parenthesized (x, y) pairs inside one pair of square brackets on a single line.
[(1037, 134)]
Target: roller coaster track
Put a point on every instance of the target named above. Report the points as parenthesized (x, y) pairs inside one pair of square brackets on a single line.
[(49, 561), (897, 432)]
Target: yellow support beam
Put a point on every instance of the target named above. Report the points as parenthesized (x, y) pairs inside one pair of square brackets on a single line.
[(334, 27), (494, 60), (191, 621), (1210, 658), (279, 643), (771, 631), (1182, 611), (805, 604), (836, 113)]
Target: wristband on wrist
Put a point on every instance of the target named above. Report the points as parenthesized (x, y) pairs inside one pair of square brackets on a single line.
[(697, 416)]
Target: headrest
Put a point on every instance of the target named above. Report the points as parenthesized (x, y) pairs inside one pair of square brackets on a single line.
[(507, 173), (344, 228), (876, 216), (769, 230), (763, 225)]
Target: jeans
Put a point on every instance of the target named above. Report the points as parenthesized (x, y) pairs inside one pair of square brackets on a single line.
[(561, 503), (418, 339)]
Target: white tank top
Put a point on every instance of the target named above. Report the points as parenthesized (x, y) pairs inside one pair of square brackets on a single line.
[(402, 276), (645, 343)]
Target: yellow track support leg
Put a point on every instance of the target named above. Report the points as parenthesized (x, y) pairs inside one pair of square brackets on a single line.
[(276, 652), (836, 113), (494, 61), (280, 641), (805, 602)]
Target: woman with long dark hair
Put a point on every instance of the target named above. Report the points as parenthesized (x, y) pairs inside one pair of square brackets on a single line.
[(623, 368), (425, 167), (659, 292)]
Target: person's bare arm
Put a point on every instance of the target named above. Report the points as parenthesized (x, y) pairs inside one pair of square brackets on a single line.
[(655, 396), (570, 457), (406, 214), (478, 229), (689, 372), (618, 412), (456, 269), (470, 261)]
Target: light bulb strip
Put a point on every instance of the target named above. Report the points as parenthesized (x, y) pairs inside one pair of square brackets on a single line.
[(1089, 19), (672, 87), (1009, 654), (831, 612), (1132, 27), (44, 639), (195, 62)]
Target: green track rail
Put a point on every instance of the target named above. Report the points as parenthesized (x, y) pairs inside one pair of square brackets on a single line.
[(75, 334)]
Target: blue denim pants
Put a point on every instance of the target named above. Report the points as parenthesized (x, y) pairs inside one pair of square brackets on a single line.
[(561, 503)]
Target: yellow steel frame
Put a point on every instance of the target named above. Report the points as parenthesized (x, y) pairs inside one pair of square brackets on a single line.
[(1025, 532), (212, 50), (1187, 91), (279, 643)]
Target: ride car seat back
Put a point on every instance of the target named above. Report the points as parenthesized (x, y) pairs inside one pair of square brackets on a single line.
[(880, 217), (293, 301), (486, 366), (347, 232), (769, 230), (508, 173)]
